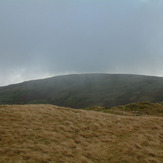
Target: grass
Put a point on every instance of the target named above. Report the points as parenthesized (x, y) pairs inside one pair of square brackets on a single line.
[(46, 133), (138, 109)]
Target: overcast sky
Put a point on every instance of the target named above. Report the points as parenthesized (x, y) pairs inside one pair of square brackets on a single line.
[(42, 38)]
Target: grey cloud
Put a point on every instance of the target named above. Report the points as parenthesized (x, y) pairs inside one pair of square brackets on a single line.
[(41, 38)]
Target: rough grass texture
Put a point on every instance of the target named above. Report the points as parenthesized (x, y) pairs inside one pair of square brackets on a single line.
[(46, 133)]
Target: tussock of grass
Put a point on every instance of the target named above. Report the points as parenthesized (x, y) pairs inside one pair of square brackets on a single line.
[(143, 108), (46, 133), (138, 109)]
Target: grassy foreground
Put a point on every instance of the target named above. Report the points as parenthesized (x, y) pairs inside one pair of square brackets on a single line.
[(46, 133)]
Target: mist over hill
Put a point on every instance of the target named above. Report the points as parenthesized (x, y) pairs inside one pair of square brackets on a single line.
[(84, 90)]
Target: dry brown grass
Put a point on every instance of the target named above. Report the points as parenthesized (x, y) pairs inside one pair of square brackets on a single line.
[(46, 133)]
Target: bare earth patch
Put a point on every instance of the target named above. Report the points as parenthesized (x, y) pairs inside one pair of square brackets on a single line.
[(46, 133)]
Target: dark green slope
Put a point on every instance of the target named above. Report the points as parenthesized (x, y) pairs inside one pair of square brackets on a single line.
[(85, 90)]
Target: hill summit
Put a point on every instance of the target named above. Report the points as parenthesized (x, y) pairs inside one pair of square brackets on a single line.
[(85, 90)]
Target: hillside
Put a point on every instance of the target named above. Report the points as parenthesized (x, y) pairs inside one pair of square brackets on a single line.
[(85, 90), (47, 133), (133, 109)]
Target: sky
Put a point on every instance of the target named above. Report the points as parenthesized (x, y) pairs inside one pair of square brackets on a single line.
[(43, 38)]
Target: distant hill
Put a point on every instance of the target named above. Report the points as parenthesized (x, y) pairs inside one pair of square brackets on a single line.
[(85, 90)]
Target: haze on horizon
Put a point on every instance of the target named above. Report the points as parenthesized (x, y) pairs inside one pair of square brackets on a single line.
[(42, 38)]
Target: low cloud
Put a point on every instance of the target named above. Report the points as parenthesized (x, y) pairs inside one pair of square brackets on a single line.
[(46, 38)]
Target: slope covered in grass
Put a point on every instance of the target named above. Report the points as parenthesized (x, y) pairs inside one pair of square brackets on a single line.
[(46, 133), (85, 90), (138, 109)]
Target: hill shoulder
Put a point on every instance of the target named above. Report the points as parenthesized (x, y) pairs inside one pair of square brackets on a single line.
[(133, 109)]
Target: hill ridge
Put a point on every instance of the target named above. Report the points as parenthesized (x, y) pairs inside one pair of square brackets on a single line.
[(84, 90)]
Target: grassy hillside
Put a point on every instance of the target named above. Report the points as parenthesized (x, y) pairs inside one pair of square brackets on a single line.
[(85, 90), (138, 109), (46, 133)]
